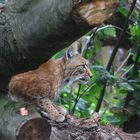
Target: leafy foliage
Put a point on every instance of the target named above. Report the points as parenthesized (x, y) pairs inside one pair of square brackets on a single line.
[(122, 95)]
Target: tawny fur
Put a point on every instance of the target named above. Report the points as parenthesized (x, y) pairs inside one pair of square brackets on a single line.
[(42, 86)]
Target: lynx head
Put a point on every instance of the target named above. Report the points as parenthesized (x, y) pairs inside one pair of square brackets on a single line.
[(77, 68)]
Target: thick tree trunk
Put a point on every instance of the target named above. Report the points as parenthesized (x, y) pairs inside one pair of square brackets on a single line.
[(31, 31)]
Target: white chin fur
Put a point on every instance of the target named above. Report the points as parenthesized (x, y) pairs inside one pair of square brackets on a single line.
[(76, 79), (83, 82)]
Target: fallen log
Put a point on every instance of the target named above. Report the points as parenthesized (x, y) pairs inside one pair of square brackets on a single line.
[(13, 126)]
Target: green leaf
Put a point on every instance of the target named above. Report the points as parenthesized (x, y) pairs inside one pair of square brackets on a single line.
[(110, 31), (135, 30), (126, 87), (123, 11)]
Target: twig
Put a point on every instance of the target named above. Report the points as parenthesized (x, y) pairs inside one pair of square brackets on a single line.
[(85, 91), (76, 100), (80, 95), (90, 39), (125, 73), (123, 63), (101, 96), (70, 99), (110, 26)]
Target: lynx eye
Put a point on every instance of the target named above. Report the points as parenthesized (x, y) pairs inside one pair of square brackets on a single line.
[(84, 66)]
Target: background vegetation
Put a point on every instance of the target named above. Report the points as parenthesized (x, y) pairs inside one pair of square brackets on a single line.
[(118, 82)]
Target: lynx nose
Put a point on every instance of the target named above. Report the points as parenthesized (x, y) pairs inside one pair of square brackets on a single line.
[(89, 74)]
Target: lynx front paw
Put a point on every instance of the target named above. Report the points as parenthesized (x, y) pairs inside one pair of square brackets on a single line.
[(61, 109), (52, 111), (60, 118)]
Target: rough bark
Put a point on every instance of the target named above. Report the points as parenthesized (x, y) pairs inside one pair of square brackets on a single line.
[(32, 31), (13, 126)]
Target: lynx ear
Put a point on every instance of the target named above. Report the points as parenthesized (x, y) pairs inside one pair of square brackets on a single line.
[(73, 50), (69, 53), (79, 48)]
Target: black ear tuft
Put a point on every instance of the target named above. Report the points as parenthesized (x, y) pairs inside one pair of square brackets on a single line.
[(73, 50), (69, 53), (79, 49)]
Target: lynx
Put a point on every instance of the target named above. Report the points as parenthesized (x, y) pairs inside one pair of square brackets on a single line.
[(41, 86)]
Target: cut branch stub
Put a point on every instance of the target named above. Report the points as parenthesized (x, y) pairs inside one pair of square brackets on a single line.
[(35, 129), (95, 12)]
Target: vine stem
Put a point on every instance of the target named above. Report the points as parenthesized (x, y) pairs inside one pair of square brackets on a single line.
[(123, 63), (80, 95), (76, 100)]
